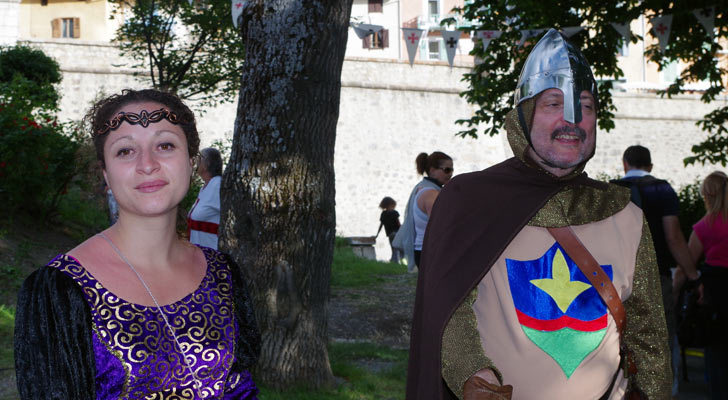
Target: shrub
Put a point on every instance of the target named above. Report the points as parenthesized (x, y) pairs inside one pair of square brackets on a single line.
[(692, 207)]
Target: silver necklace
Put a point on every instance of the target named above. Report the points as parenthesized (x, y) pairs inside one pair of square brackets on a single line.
[(198, 385)]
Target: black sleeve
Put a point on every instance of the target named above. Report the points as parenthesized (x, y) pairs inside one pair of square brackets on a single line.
[(54, 356), (247, 348)]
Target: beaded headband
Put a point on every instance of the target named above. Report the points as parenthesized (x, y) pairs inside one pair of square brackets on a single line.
[(144, 118)]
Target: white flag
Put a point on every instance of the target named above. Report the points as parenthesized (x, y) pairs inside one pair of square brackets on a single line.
[(706, 17), (570, 31), (412, 38), (237, 10), (364, 30), (529, 33), (661, 29), (451, 39), (487, 36), (622, 29)]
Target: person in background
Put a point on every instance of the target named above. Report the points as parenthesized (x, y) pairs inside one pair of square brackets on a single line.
[(203, 219), (709, 239), (438, 168), (136, 311), (661, 207), (113, 207), (389, 219)]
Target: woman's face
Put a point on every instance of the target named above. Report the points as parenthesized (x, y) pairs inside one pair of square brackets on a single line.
[(148, 169), (443, 173)]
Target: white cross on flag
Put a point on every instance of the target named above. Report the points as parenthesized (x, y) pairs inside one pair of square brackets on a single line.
[(529, 33), (623, 30), (706, 17), (487, 36), (570, 31), (238, 6), (661, 29), (364, 30), (412, 38), (451, 44)]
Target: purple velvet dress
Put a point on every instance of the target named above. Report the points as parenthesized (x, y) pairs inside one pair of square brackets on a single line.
[(136, 357)]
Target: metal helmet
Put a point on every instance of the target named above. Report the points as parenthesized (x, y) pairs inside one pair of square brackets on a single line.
[(556, 63)]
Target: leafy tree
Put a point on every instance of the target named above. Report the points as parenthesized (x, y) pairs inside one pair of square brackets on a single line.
[(192, 50), (278, 217), (37, 157), (492, 82), (30, 72)]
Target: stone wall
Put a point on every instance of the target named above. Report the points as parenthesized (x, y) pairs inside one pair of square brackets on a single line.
[(389, 112), (9, 10)]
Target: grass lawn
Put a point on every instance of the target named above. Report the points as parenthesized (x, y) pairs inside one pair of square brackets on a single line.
[(363, 371)]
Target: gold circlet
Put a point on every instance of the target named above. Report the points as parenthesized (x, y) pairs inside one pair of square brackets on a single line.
[(143, 118)]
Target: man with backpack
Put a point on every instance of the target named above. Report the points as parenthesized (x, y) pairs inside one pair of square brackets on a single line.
[(661, 207)]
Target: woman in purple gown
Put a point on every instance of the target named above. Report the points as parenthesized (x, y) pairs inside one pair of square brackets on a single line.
[(136, 311)]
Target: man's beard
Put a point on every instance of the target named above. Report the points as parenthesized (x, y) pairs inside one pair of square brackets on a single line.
[(581, 135)]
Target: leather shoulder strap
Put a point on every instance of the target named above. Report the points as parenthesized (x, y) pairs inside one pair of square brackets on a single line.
[(593, 271)]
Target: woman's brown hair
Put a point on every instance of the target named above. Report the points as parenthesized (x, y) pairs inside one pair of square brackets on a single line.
[(425, 162), (715, 195)]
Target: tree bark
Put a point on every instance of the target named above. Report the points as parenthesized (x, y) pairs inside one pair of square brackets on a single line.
[(278, 217)]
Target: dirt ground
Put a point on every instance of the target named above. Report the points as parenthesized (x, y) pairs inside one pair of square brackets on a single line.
[(381, 314)]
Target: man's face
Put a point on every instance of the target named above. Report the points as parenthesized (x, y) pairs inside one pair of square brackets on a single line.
[(559, 145)]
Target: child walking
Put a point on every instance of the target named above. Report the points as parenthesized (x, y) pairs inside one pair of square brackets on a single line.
[(389, 219)]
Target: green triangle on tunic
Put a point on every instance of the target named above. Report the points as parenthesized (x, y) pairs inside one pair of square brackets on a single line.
[(568, 347)]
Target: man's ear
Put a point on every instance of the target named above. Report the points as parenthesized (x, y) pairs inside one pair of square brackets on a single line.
[(649, 168)]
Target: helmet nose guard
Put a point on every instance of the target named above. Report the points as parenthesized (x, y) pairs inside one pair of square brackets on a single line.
[(554, 63)]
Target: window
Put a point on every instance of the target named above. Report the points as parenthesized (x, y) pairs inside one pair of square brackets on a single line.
[(379, 40), (375, 6), (433, 50), (66, 28), (433, 7)]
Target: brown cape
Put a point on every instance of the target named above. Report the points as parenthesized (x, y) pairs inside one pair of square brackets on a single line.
[(475, 217)]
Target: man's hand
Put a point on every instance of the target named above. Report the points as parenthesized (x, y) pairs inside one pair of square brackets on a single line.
[(483, 385)]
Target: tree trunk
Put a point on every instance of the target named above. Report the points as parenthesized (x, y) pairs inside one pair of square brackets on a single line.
[(278, 218)]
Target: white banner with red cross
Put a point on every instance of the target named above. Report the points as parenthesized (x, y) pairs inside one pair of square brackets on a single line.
[(412, 38), (661, 29), (487, 36)]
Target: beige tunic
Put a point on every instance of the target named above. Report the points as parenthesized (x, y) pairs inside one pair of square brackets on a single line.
[(523, 364)]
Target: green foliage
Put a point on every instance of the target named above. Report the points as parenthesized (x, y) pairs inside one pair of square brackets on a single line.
[(191, 50), (350, 270), (7, 327), (492, 82), (37, 157), (368, 371), (27, 75), (692, 207)]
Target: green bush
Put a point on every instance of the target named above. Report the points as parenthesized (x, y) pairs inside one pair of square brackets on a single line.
[(692, 207), (37, 155)]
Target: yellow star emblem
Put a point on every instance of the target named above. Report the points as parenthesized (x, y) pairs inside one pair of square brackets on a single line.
[(561, 288)]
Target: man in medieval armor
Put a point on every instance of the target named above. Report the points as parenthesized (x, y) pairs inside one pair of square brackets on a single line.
[(538, 282)]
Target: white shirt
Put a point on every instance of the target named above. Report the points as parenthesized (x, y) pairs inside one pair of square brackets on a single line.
[(204, 217)]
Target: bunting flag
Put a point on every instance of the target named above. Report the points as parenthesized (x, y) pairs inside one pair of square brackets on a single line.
[(661, 29), (364, 30), (451, 39), (623, 29), (706, 17), (529, 33), (412, 38), (487, 36), (570, 31), (237, 10)]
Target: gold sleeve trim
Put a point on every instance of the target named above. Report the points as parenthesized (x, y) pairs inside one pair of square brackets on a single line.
[(462, 351), (646, 332)]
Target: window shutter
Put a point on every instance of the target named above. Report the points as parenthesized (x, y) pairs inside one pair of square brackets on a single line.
[(56, 28), (76, 28), (385, 38), (366, 42), (375, 6)]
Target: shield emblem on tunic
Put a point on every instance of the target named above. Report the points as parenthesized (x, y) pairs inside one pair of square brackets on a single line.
[(558, 309)]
